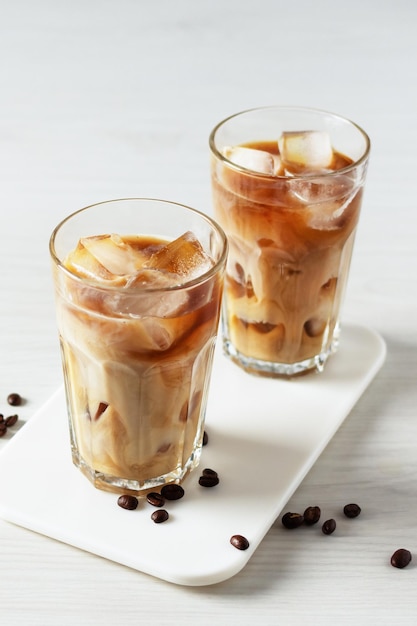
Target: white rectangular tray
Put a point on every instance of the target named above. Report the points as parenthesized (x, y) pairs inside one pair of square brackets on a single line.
[(264, 436)]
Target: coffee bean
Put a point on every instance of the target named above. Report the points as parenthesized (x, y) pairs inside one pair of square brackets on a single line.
[(352, 510), (209, 478), (1, 418), (3, 429), (205, 438), (159, 516), (11, 420), (240, 542), (401, 558), (208, 481), (172, 491), (128, 502), (155, 499), (312, 515), (14, 399), (329, 527), (292, 520)]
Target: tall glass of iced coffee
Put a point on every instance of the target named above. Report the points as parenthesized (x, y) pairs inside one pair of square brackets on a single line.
[(138, 287), (287, 188)]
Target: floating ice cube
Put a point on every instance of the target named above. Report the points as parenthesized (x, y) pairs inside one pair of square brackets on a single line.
[(148, 293), (183, 257), (148, 278), (148, 304), (310, 149), (117, 256), (158, 336), (84, 264), (255, 160), (326, 198), (329, 215), (322, 189)]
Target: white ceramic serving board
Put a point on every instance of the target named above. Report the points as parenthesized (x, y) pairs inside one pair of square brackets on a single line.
[(264, 436)]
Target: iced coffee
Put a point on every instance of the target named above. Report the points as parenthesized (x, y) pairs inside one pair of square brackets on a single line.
[(137, 315), (287, 189)]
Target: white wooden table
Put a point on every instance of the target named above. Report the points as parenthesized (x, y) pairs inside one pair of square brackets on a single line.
[(110, 99)]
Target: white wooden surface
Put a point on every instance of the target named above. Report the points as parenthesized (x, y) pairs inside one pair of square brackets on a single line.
[(104, 99)]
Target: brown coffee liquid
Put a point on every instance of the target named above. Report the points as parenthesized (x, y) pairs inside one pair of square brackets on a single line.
[(290, 240), (135, 365)]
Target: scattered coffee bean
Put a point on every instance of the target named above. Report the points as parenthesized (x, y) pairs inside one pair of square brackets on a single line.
[(6, 423), (128, 502), (208, 481), (312, 515), (155, 499), (159, 516), (11, 420), (209, 478), (172, 491), (14, 399), (240, 542), (292, 520), (352, 510), (205, 438), (329, 527), (401, 558)]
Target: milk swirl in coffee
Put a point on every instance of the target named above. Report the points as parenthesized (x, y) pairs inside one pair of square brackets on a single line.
[(137, 332), (290, 207)]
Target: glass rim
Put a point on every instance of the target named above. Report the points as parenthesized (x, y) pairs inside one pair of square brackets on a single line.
[(302, 176), (140, 289)]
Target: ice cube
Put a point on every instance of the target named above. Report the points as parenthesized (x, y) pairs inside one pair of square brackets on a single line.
[(84, 264), (151, 279), (255, 160), (148, 304), (117, 256), (158, 335), (329, 215), (328, 200), (147, 294), (183, 257), (310, 149), (322, 189)]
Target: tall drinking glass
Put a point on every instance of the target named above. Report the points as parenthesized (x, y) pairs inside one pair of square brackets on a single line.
[(287, 188), (138, 287)]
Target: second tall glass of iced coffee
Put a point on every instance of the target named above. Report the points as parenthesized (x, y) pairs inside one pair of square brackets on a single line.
[(138, 286), (287, 188)]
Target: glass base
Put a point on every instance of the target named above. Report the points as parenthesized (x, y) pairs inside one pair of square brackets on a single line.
[(279, 370), (116, 484)]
